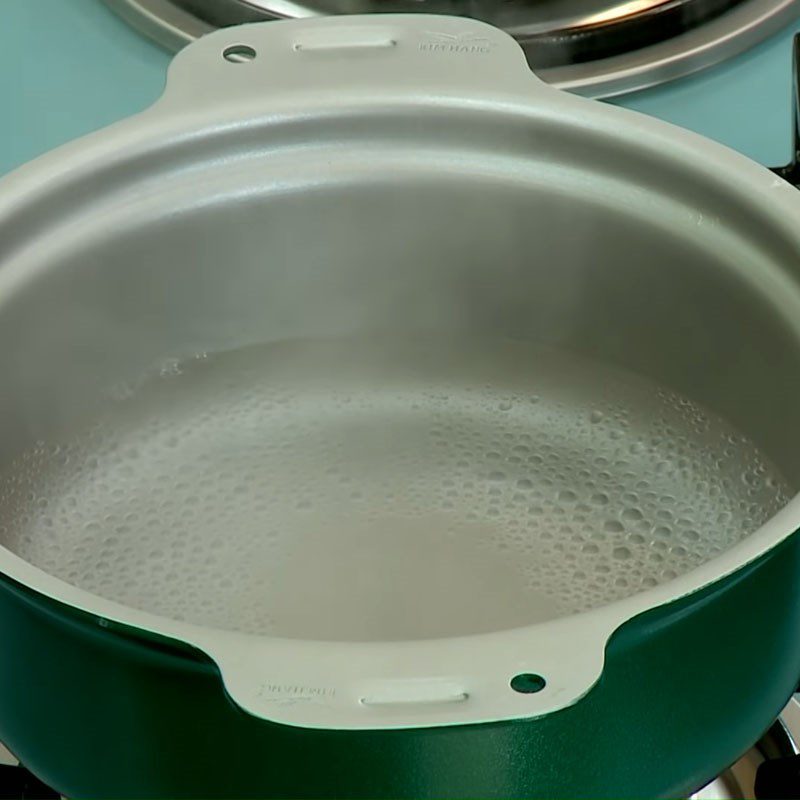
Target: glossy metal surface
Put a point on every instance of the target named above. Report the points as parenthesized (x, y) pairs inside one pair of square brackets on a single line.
[(520, 17), (597, 49)]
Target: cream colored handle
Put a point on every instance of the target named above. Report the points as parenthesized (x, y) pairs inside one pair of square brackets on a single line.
[(369, 56), (368, 685)]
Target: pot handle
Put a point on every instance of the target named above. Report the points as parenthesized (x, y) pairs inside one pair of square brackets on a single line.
[(341, 60), (512, 674)]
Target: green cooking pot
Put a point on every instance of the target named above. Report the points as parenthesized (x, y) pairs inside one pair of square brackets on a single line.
[(411, 173)]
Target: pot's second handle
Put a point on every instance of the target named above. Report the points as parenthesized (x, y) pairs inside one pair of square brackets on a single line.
[(341, 59), (512, 674)]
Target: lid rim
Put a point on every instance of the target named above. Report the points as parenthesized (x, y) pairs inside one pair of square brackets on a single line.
[(729, 27)]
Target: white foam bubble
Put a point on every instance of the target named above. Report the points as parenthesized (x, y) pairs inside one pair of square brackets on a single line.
[(430, 492)]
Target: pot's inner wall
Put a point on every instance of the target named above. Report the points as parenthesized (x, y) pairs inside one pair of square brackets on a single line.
[(654, 290), (409, 251)]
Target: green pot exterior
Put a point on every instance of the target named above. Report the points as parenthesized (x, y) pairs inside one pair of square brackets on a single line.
[(99, 710)]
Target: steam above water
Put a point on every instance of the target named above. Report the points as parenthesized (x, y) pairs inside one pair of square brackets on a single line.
[(359, 490)]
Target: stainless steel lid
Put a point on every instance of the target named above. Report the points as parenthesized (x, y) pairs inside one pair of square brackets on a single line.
[(595, 47)]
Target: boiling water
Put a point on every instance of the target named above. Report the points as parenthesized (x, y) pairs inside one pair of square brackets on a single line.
[(366, 491)]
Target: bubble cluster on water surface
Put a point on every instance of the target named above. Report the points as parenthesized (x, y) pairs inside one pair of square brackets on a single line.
[(196, 496)]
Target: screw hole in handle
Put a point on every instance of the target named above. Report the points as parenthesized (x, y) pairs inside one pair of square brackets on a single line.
[(239, 53), (528, 683)]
